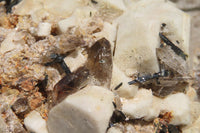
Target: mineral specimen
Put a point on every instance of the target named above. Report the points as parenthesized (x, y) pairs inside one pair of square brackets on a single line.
[(96, 66)]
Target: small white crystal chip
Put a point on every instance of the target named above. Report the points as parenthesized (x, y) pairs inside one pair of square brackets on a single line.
[(87, 111), (75, 60), (35, 123), (44, 29)]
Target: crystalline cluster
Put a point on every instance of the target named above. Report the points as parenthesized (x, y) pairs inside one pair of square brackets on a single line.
[(96, 66)]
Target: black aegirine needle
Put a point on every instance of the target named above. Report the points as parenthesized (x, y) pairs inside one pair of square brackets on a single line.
[(59, 59)]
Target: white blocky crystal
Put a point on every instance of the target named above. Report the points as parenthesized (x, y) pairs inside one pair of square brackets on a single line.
[(75, 60), (35, 123), (44, 29), (64, 24), (138, 34), (141, 106), (145, 105), (88, 110), (179, 105)]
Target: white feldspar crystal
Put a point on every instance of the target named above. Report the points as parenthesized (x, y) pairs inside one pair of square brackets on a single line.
[(140, 106), (179, 105), (75, 60), (64, 24), (87, 111), (138, 34), (44, 29), (35, 123), (145, 105), (127, 91)]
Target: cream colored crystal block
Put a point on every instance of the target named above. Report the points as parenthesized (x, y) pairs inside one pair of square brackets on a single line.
[(138, 34), (141, 106), (75, 60), (179, 105), (145, 105), (126, 91), (88, 110), (35, 123), (44, 29), (64, 24)]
